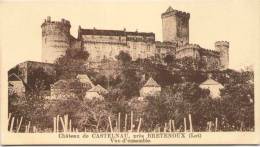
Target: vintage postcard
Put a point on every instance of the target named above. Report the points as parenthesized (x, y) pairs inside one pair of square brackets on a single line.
[(130, 72)]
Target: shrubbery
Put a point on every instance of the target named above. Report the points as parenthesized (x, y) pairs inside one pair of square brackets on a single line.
[(180, 96)]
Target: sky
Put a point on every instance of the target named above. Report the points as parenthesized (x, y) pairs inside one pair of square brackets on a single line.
[(236, 21)]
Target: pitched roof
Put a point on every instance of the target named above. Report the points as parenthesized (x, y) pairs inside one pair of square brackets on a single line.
[(102, 32), (98, 89), (10, 85), (140, 33), (83, 78), (210, 82), (60, 84), (151, 83), (113, 32), (14, 77)]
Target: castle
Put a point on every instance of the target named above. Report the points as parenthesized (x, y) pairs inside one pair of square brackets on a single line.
[(106, 44)]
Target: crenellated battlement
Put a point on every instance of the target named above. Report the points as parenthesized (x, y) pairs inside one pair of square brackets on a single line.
[(194, 46), (159, 43), (210, 50), (222, 43), (170, 11), (204, 51), (63, 22)]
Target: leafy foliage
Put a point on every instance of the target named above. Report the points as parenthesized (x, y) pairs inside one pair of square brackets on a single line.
[(71, 64), (39, 80), (124, 57), (179, 97), (169, 59)]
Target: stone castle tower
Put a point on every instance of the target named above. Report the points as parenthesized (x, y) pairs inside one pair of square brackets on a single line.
[(55, 39), (175, 26), (223, 48)]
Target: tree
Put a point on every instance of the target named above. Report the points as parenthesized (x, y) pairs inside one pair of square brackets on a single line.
[(61, 108), (93, 115), (241, 116), (169, 59), (129, 83), (31, 106), (155, 113), (39, 81), (205, 110), (188, 64), (124, 57), (71, 64), (235, 109)]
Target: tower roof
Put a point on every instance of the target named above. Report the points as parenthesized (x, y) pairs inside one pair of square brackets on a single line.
[(151, 83), (210, 81), (83, 78), (169, 9), (112, 32)]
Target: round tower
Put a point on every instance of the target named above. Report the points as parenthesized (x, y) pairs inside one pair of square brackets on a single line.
[(223, 48), (55, 39)]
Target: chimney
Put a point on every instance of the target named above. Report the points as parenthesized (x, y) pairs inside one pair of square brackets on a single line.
[(48, 19)]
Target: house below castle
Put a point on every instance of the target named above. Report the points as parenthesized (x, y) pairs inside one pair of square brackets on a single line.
[(16, 85), (213, 86), (150, 88), (26, 73)]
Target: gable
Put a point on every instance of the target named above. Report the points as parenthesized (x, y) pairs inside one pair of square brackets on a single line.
[(210, 82), (83, 78), (151, 83), (60, 84)]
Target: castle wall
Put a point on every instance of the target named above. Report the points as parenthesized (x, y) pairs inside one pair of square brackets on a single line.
[(103, 47), (140, 49), (99, 51), (210, 59), (107, 44), (140, 45), (165, 48), (211, 62), (187, 51)]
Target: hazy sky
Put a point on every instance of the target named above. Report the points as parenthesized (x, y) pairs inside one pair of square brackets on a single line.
[(236, 21)]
